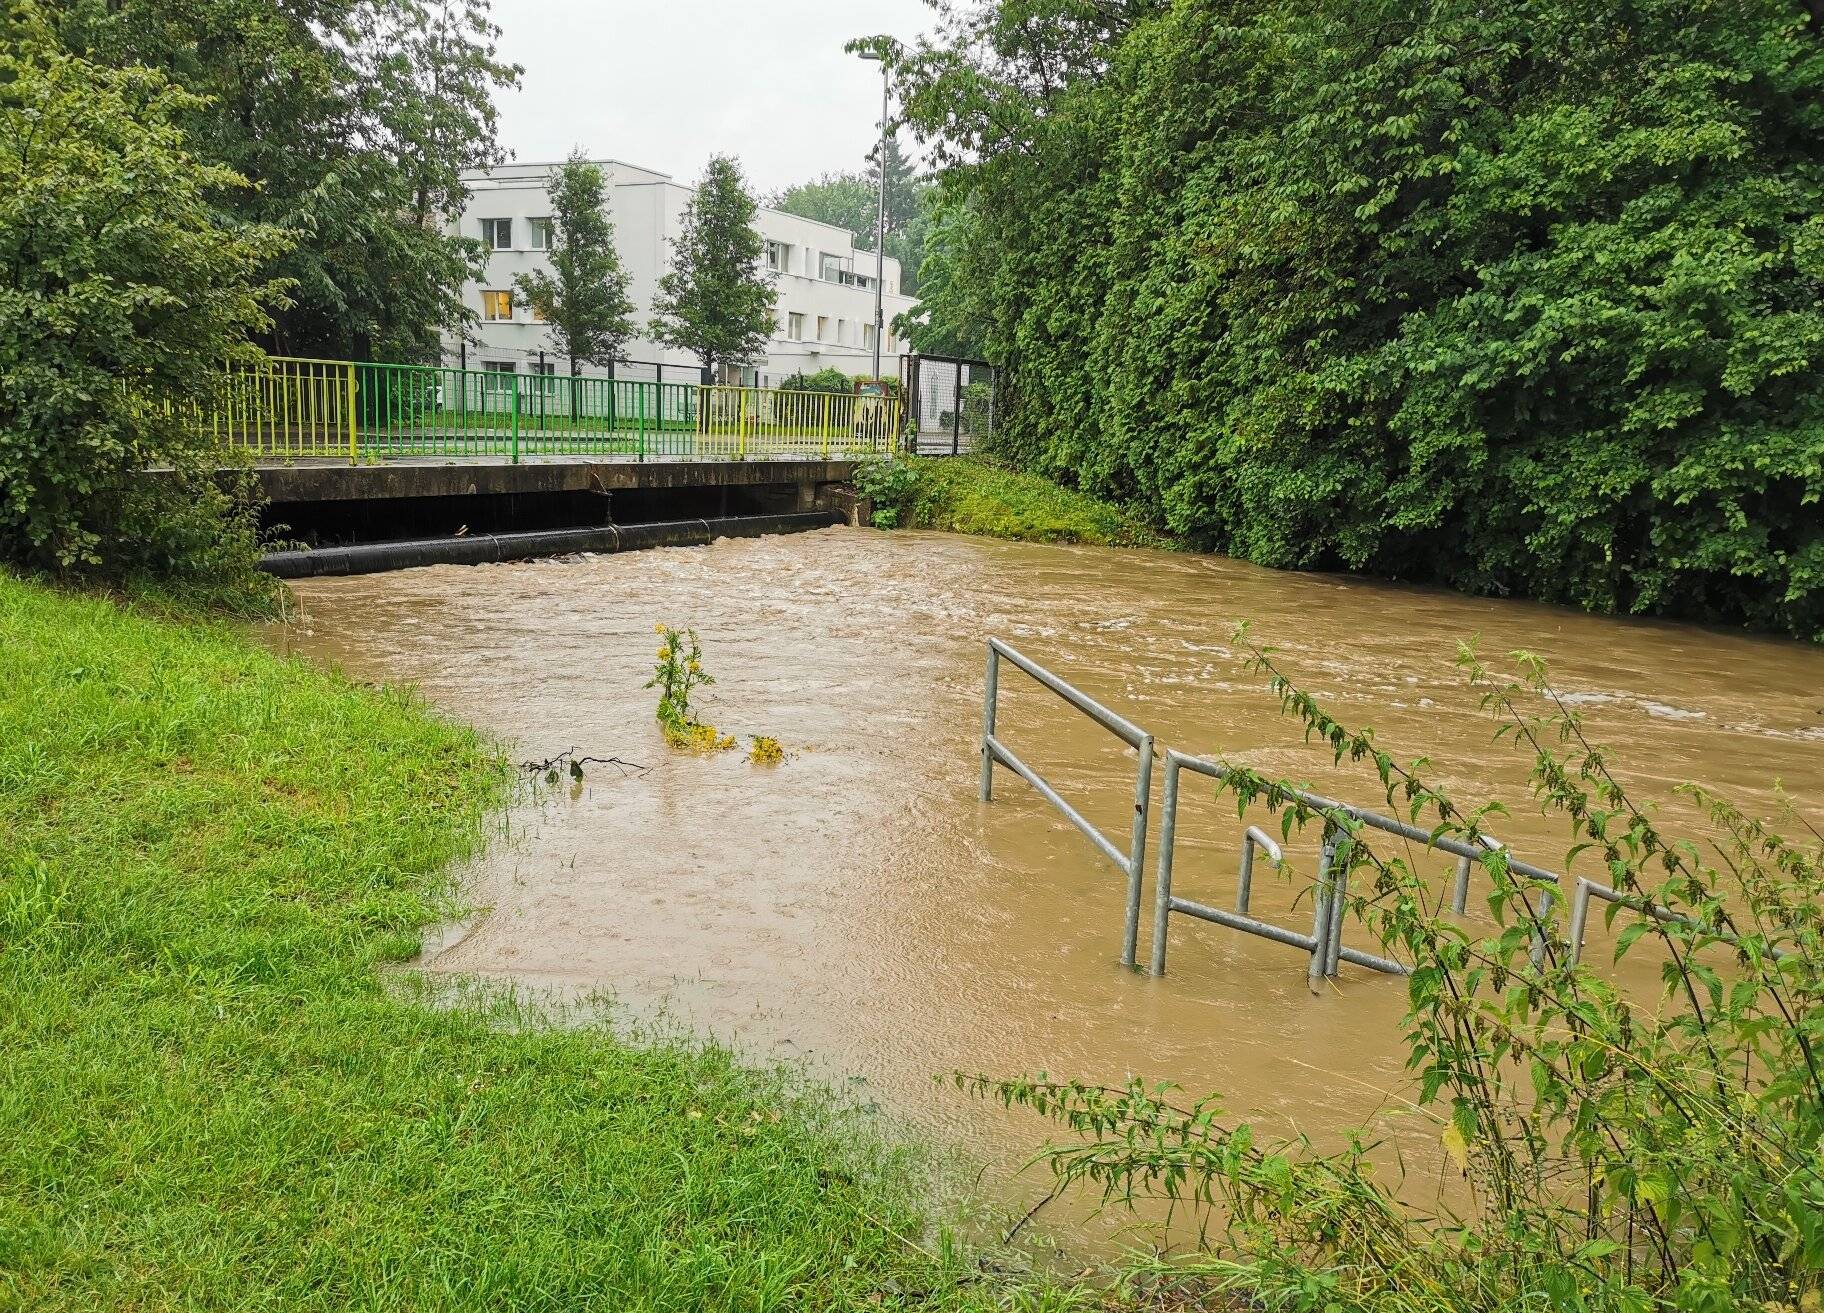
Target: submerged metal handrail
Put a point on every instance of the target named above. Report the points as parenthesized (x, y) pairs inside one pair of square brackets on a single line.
[(1133, 862), (1325, 942)]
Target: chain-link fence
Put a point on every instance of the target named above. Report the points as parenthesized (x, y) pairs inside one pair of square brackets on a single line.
[(951, 404)]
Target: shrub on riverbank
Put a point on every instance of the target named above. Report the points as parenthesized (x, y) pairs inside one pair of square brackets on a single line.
[(968, 494), (1614, 1152), (214, 1100), (1517, 298), (125, 293)]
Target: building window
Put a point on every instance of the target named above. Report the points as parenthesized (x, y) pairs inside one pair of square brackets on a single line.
[(495, 380), (830, 268), (842, 331), (778, 257), (538, 316), (496, 307), (497, 234), (547, 371), (823, 328), (538, 233), (867, 336), (794, 326)]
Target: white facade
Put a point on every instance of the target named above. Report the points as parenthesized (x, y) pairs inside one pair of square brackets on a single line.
[(825, 309)]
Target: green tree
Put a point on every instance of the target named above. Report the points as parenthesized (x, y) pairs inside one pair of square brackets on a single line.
[(123, 289), (851, 200), (715, 301), (353, 120), (584, 298), (1520, 299)]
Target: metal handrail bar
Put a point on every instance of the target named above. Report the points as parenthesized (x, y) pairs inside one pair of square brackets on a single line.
[(1324, 943), (1133, 862)]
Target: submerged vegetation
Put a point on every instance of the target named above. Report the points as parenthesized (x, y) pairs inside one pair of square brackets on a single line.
[(976, 495), (214, 1096), (1615, 1155), (679, 670)]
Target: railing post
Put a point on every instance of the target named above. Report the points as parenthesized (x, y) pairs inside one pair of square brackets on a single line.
[(823, 422), (354, 445), (1339, 909), (1168, 837), (642, 388), (740, 423), (991, 691), (1136, 853), (1322, 906), (515, 377)]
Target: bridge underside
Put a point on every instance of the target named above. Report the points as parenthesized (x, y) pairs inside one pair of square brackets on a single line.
[(321, 481)]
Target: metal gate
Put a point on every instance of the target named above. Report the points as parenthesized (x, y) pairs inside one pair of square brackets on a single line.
[(952, 404)]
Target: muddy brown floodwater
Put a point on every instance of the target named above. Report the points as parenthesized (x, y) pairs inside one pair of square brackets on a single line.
[(858, 909)]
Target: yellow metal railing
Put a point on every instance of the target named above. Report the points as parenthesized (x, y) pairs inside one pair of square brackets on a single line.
[(287, 407)]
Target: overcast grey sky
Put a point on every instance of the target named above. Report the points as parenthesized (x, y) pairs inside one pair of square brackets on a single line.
[(667, 83)]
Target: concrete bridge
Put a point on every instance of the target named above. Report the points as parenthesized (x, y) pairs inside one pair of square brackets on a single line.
[(356, 518)]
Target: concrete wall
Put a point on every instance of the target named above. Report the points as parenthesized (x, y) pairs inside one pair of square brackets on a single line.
[(832, 317)]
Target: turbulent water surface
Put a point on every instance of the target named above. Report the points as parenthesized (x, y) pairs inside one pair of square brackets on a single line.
[(858, 908)]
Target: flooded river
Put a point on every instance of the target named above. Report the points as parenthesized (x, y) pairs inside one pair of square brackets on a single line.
[(857, 908)]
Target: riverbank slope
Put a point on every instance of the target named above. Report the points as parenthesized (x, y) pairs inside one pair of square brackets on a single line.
[(975, 495), (216, 1098)]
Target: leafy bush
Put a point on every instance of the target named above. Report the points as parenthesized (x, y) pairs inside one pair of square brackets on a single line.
[(892, 485), (824, 380), (1520, 298), (1616, 1155), (123, 295)]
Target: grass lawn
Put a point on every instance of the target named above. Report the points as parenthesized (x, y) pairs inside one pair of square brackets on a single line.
[(213, 1097), (966, 494)]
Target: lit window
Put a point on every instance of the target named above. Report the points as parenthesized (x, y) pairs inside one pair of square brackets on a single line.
[(497, 234), (496, 306), (538, 233), (538, 316)]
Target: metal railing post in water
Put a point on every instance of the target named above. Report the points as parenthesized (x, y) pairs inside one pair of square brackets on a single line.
[(1323, 908), (989, 700), (1162, 879), (1136, 852)]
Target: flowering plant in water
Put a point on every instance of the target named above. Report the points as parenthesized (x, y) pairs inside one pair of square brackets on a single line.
[(679, 670)]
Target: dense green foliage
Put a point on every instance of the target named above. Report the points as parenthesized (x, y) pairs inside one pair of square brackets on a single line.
[(214, 1101), (822, 380), (354, 120), (1523, 298), (852, 200), (714, 301), (1612, 1152), (122, 291), (963, 494), (584, 297)]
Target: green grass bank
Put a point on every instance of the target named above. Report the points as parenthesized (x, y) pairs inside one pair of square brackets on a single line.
[(216, 1097), (974, 495)]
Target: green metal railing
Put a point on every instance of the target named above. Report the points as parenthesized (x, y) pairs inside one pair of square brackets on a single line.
[(290, 407)]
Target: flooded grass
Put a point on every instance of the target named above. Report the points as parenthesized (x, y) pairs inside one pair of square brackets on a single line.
[(214, 1100)]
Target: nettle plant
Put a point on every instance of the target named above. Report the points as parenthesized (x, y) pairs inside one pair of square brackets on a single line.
[(1615, 1154)]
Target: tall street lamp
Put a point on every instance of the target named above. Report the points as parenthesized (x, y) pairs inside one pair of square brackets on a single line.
[(880, 227)]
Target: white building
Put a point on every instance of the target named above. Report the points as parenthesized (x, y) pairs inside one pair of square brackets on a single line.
[(825, 309)]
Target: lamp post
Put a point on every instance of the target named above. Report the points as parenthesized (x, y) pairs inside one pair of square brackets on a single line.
[(880, 227)]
